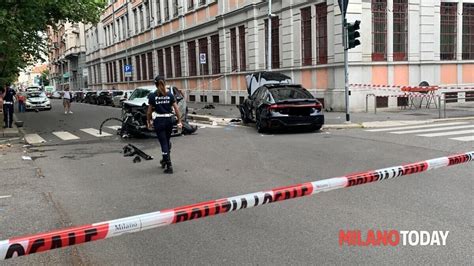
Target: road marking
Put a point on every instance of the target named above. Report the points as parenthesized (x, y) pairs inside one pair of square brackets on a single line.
[(432, 129), (114, 127), (419, 126), (94, 132), (468, 138), (6, 196), (448, 133), (65, 135), (204, 125), (34, 139)]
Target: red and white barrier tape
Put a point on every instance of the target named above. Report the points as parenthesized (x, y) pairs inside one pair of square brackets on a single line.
[(27, 245), (399, 87)]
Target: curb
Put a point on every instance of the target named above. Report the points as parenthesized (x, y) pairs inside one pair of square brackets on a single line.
[(10, 132)]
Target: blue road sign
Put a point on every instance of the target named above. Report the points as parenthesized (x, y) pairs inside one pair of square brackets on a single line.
[(128, 70)]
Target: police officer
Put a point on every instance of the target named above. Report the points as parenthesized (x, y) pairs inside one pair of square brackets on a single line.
[(160, 117), (8, 96)]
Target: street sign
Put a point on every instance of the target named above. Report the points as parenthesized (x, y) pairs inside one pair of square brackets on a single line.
[(127, 69), (202, 58), (343, 6)]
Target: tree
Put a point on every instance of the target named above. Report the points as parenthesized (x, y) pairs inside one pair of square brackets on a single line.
[(44, 78), (22, 27)]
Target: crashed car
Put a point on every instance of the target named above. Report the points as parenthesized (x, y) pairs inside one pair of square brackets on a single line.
[(135, 108), (275, 106)]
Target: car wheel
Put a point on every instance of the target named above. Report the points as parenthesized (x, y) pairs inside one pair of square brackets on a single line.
[(244, 115)]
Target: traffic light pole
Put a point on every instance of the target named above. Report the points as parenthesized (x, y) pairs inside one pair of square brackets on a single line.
[(346, 66)]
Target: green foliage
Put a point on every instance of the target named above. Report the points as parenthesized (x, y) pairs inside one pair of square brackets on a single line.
[(44, 77), (23, 24)]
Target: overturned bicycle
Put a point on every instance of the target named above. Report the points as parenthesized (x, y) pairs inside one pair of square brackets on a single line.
[(133, 120)]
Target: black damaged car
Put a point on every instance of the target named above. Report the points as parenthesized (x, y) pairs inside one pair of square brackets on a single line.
[(276, 106)]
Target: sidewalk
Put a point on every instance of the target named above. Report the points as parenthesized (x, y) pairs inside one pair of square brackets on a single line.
[(225, 114), (8, 133)]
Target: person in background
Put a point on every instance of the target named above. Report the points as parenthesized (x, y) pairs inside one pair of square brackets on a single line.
[(21, 103), (67, 96), (9, 95), (159, 117)]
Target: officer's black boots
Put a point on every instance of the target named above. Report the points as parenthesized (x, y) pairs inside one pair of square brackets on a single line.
[(169, 168), (166, 164)]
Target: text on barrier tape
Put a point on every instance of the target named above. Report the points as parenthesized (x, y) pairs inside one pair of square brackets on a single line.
[(26, 245)]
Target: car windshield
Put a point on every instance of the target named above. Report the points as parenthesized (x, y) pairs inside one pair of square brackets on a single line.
[(115, 93), (36, 94), (139, 93), (286, 93)]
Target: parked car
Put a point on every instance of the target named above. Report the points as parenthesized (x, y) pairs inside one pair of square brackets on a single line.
[(49, 90), (120, 97), (90, 97), (37, 100), (104, 98), (56, 95), (281, 106)]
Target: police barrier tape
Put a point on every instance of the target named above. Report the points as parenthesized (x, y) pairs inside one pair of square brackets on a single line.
[(26, 245), (405, 87)]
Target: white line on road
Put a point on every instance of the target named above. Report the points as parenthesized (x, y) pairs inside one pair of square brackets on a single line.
[(204, 125), (94, 132), (432, 129), (65, 135), (34, 139), (6, 196), (114, 127), (448, 133), (419, 126), (468, 138)]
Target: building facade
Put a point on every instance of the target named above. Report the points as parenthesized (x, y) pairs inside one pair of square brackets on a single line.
[(67, 56), (207, 47)]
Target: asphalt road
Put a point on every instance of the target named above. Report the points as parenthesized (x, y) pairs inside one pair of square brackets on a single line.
[(87, 180)]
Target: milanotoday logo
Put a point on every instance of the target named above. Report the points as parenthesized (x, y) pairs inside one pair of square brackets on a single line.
[(392, 238)]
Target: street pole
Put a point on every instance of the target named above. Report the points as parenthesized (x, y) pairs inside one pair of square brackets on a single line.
[(346, 65), (269, 48)]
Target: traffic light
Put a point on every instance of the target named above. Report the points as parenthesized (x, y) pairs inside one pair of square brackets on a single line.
[(353, 34)]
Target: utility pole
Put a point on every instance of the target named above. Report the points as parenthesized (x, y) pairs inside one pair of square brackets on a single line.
[(269, 26), (346, 66)]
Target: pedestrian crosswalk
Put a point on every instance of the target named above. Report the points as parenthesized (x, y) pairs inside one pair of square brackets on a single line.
[(86, 134), (68, 136), (458, 131)]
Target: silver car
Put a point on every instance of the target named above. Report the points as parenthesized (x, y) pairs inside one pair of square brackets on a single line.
[(37, 100)]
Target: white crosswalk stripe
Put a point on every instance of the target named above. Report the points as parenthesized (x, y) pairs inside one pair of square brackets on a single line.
[(95, 132), (34, 139), (204, 125), (65, 135), (434, 130), (114, 127), (450, 133), (467, 138), (415, 127)]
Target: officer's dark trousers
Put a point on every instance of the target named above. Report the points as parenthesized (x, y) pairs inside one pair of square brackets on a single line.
[(163, 129), (8, 114)]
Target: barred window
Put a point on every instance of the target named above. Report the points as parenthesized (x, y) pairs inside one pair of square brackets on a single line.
[(166, 10), (121, 69), (143, 61), (400, 30), (169, 64), (275, 41), (379, 30), (190, 4), (233, 49), (448, 31), (192, 58), (243, 56), (161, 64), (177, 61), (138, 67), (306, 38), (216, 55), (158, 11), (149, 57), (322, 33), (203, 50), (175, 8), (468, 32)]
